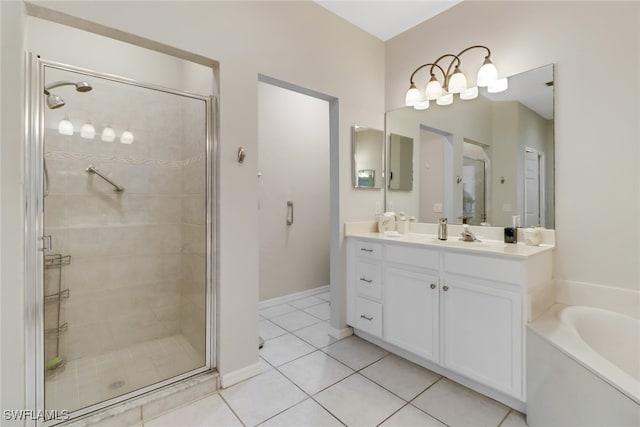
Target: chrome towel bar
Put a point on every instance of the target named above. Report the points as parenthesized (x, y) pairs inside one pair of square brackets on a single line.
[(92, 169)]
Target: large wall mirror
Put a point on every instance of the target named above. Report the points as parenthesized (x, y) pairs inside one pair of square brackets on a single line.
[(480, 161), (367, 151)]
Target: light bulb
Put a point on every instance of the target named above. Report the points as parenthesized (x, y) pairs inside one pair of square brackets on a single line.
[(434, 89), (413, 96), (65, 127), (471, 93), (87, 131), (487, 74), (445, 99), (108, 135), (498, 86), (126, 137), (422, 105), (457, 81)]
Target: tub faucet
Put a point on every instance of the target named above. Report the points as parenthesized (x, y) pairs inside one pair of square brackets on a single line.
[(467, 235)]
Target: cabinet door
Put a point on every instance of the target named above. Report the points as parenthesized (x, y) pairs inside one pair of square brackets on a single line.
[(411, 311), (481, 331)]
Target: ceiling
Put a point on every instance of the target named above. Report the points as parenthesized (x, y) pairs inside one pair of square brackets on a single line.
[(386, 19)]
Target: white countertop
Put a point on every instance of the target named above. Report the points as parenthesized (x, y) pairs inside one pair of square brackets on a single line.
[(489, 247)]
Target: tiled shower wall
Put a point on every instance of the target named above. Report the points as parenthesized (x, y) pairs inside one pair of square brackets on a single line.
[(136, 255)]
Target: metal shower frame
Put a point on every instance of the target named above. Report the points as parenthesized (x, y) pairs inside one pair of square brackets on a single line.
[(35, 242)]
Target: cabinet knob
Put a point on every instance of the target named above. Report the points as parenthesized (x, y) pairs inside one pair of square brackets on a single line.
[(363, 279), (445, 288), (366, 250), (364, 316), (433, 286)]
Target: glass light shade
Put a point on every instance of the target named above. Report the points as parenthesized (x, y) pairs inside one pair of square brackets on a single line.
[(126, 137), (108, 135), (434, 89), (422, 105), (498, 86), (413, 96), (445, 99), (457, 81), (487, 74), (471, 93), (65, 127), (88, 131)]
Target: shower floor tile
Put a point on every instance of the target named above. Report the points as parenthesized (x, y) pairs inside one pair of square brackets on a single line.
[(88, 380)]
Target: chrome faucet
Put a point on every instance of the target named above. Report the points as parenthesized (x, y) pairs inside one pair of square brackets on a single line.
[(467, 235)]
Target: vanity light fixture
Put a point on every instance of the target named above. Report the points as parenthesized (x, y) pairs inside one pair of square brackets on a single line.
[(65, 127), (453, 81), (87, 131), (108, 134), (126, 137)]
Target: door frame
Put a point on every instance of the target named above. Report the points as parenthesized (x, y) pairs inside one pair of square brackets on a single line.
[(541, 184), (34, 234)]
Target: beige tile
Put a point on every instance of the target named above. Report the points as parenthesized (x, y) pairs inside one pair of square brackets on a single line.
[(358, 401), (269, 330), (306, 413), (294, 320), (321, 311), (262, 397), (210, 411), (514, 419), (400, 376), (355, 352), (410, 416), (276, 310), (316, 335), (283, 349), (454, 404), (315, 372), (306, 302)]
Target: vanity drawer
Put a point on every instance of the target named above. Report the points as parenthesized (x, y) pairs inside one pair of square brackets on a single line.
[(368, 250), (414, 256), (484, 267), (369, 316), (368, 279)]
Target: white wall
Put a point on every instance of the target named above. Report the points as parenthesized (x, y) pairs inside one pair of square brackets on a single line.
[(293, 139), (290, 41), (597, 151), (12, 322)]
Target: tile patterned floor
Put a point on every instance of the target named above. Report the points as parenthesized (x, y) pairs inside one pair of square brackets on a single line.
[(88, 380), (310, 379)]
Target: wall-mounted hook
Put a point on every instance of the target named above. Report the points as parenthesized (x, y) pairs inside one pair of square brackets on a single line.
[(458, 179), (241, 155), (502, 180)]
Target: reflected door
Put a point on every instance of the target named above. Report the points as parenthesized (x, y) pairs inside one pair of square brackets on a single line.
[(532, 187), (473, 191), (125, 204)]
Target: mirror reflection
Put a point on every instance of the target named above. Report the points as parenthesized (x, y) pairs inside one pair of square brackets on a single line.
[(367, 149), (400, 163), (479, 161)]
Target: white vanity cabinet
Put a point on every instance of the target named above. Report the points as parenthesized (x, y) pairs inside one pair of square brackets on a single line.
[(456, 311)]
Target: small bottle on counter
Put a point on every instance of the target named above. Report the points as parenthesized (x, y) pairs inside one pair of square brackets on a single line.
[(403, 223)]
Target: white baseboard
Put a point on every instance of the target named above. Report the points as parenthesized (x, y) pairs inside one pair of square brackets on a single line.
[(291, 297), (620, 300), (340, 333), (234, 377)]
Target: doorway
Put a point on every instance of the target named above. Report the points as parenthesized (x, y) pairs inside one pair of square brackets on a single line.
[(294, 191), (534, 187)]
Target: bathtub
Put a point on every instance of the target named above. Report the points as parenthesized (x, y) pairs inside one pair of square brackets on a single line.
[(583, 368)]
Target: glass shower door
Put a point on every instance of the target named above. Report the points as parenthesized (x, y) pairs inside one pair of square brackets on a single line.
[(127, 210)]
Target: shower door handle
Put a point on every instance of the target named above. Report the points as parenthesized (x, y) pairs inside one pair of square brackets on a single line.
[(47, 243), (289, 212)]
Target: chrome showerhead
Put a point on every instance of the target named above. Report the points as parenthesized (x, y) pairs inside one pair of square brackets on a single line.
[(54, 101), (83, 87)]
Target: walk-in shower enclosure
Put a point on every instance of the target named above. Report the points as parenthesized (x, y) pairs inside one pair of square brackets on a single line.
[(120, 236)]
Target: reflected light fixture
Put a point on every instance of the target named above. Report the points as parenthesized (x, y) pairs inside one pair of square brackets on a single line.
[(65, 127), (108, 134), (126, 137), (87, 131), (453, 81)]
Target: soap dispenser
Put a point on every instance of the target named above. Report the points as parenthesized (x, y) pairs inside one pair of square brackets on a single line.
[(403, 223), (442, 229)]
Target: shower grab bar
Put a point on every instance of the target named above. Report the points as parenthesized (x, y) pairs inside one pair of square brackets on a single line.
[(94, 170)]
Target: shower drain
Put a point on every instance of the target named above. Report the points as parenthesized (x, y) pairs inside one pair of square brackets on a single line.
[(115, 385)]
